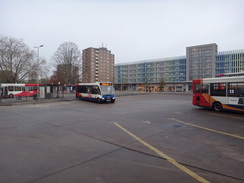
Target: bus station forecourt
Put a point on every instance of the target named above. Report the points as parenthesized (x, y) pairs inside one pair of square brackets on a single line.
[(142, 137)]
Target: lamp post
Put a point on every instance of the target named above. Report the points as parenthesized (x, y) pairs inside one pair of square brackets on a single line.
[(38, 81)]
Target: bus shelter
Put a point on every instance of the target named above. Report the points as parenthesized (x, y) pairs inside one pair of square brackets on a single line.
[(50, 91)]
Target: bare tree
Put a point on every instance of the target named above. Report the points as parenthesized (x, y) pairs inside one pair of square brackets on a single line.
[(17, 61), (67, 60), (161, 84)]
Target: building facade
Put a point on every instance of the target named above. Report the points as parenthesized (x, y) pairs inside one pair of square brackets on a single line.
[(230, 62), (148, 74), (176, 73), (97, 65), (201, 61)]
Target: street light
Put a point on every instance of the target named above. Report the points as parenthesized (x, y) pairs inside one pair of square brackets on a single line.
[(37, 70), (38, 62)]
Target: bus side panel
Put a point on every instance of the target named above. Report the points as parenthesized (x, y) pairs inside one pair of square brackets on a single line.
[(26, 93), (206, 100), (202, 100), (230, 107), (234, 104), (86, 96), (224, 101), (78, 95)]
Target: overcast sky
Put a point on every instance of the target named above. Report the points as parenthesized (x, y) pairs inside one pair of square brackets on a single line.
[(133, 30)]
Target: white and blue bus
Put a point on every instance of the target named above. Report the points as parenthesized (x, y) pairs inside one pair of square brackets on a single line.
[(97, 92)]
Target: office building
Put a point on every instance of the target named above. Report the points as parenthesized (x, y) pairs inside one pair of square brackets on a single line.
[(203, 61), (230, 62), (98, 65), (148, 74), (200, 61)]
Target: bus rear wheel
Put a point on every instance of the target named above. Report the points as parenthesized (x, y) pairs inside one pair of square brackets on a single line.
[(217, 106)]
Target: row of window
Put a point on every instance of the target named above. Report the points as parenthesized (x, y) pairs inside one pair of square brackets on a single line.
[(24, 88), (230, 57), (88, 89), (222, 89), (152, 80)]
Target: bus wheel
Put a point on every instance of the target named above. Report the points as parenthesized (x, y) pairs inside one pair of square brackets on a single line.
[(217, 106), (99, 100), (11, 95)]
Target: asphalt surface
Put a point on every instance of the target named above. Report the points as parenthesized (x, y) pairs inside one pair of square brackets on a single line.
[(139, 138)]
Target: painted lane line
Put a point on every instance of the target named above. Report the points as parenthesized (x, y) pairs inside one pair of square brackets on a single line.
[(178, 112), (146, 122), (169, 159), (208, 129)]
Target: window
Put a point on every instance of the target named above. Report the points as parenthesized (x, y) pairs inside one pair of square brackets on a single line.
[(17, 88), (32, 88), (11, 88), (95, 90), (81, 89), (205, 88), (235, 90), (218, 89), (197, 88)]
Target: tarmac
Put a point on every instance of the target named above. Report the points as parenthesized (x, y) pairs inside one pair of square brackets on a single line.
[(68, 97)]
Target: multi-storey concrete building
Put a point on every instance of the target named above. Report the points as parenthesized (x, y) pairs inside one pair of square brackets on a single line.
[(177, 73), (200, 61), (230, 62), (98, 65), (149, 73)]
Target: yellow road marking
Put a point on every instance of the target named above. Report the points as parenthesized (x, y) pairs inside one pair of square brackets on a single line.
[(234, 117), (169, 159), (209, 129), (146, 122), (179, 113)]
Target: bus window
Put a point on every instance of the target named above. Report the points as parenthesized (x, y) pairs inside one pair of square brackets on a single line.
[(198, 88), (11, 88), (95, 90), (107, 90), (218, 89), (81, 89), (232, 89), (205, 88), (89, 89), (236, 89), (17, 88), (5, 91), (240, 91)]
